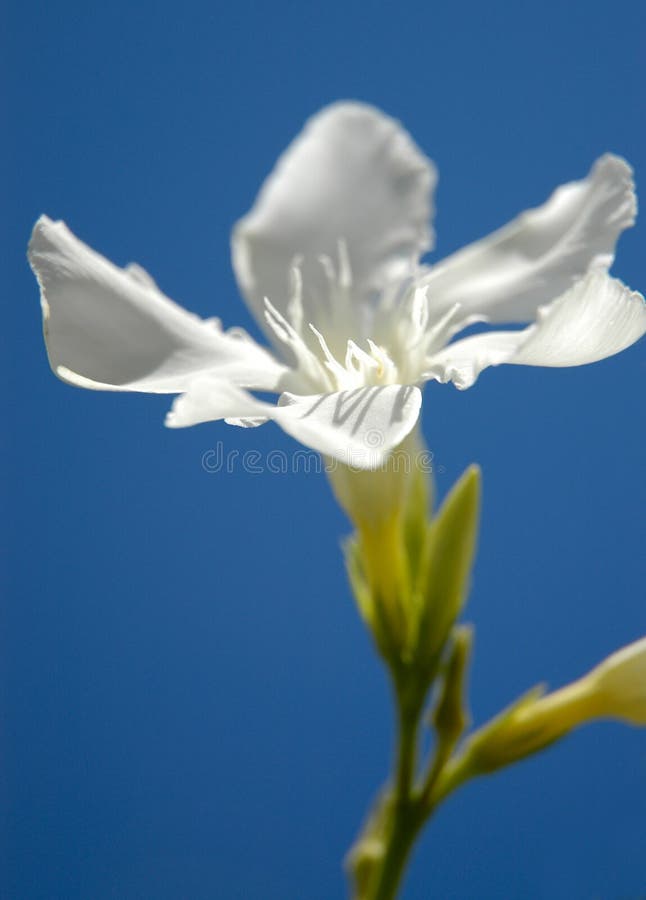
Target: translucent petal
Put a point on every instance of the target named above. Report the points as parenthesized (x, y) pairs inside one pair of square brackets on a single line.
[(596, 318), (536, 257), (353, 183), (108, 328)]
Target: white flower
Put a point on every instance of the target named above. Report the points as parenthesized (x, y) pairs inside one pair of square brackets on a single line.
[(328, 261)]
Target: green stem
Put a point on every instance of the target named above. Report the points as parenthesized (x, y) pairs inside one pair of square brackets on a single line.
[(406, 818), (408, 806), (406, 825), (450, 778), (410, 816), (408, 714)]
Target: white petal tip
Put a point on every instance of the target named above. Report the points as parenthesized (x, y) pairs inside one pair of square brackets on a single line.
[(42, 230)]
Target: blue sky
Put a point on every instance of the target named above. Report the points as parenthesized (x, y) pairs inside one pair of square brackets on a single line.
[(191, 707)]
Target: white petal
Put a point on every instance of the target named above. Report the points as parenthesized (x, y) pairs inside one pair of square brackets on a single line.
[(463, 361), (358, 427), (539, 255), (210, 398), (596, 318), (112, 329), (354, 176)]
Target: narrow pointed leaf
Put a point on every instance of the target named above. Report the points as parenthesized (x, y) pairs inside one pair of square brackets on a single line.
[(449, 560)]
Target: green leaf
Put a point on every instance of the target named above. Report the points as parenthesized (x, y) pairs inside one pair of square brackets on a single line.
[(450, 551)]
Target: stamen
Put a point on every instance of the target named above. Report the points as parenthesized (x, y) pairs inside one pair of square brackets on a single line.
[(332, 363), (278, 324), (355, 355), (386, 367), (345, 269), (295, 304), (307, 361), (328, 269), (413, 320), (420, 311)]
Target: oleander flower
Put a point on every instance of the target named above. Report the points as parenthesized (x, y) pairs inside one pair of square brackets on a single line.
[(328, 260)]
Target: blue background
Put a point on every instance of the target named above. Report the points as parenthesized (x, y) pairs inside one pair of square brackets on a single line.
[(192, 708)]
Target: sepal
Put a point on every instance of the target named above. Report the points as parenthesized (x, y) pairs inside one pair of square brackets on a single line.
[(445, 572), (510, 736), (451, 716)]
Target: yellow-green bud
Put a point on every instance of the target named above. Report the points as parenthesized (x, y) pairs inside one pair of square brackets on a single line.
[(389, 508), (451, 717), (615, 689)]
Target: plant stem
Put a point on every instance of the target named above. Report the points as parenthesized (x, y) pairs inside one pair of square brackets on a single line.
[(408, 805), (406, 815), (405, 828), (408, 714)]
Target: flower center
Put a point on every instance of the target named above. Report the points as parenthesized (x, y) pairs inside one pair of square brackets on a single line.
[(320, 369), (397, 333)]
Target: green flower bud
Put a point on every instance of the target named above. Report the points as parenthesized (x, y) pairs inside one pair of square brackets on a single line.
[(451, 718)]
